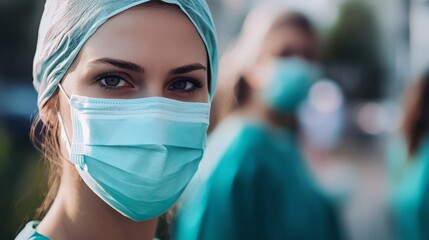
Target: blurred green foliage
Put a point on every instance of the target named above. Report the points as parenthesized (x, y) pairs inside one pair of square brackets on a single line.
[(5, 149), (21, 169), (352, 52), (22, 181), (19, 21)]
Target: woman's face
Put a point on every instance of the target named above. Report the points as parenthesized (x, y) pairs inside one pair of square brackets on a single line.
[(149, 50)]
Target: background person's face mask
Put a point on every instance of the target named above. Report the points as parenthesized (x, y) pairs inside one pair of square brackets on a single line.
[(289, 84), (137, 155)]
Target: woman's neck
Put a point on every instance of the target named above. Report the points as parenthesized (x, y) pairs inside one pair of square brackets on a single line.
[(78, 213)]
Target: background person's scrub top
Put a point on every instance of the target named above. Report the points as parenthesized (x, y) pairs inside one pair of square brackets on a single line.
[(409, 180), (260, 190)]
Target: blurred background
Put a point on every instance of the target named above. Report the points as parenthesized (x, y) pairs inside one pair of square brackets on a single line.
[(372, 50)]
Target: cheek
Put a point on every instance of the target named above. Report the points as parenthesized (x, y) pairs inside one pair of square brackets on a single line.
[(260, 74), (202, 96), (197, 98)]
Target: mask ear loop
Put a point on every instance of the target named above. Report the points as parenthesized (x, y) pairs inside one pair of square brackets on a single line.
[(64, 92), (64, 135)]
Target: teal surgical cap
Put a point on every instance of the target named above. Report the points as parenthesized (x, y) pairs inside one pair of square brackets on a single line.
[(289, 85), (67, 24)]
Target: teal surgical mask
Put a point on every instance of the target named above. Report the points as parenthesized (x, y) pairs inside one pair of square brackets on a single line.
[(289, 84), (137, 155)]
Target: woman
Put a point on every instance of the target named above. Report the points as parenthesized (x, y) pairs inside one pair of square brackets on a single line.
[(267, 33), (408, 165), (124, 90), (253, 182)]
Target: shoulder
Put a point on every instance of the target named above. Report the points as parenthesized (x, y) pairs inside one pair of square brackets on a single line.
[(29, 232), (252, 153), (249, 136), (262, 144)]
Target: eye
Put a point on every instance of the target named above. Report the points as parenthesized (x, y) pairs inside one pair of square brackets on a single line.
[(286, 53), (111, 81), (185, 85)]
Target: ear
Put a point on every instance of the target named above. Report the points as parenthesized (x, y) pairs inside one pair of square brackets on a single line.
[(49, 117), (44, 115), (49, 111)]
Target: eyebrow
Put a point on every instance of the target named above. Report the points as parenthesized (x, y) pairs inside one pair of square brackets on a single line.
[(136, 68), (120, 64), (188, 68)]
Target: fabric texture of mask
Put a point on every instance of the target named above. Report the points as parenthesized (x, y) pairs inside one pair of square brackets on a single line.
[(289, 85), (152, 150), (67, 24)]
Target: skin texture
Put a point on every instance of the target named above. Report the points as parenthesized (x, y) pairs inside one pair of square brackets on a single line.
[(288, 41), (172, 63)]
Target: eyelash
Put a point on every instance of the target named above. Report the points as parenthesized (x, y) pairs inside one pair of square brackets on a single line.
[(197, 83)]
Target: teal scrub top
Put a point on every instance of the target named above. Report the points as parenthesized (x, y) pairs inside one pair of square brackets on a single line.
[(408, 184), (423, 214), (29, 232), (261, 189)]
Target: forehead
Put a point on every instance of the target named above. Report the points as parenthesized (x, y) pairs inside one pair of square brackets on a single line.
[(290, 39), (154, 31), (288, 34)]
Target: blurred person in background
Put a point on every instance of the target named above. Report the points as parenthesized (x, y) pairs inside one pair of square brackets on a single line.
[(408, 165), (253, 182), (124, 91), (266, 34)]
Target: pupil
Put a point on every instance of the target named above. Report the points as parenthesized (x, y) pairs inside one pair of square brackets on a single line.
[(180, 85), (112, 81)]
